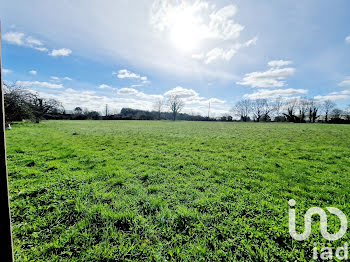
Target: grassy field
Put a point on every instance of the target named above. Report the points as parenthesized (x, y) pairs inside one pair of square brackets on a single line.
[(164, 191)]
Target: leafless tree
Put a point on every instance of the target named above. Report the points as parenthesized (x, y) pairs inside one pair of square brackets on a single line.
[(291, 105), (243, 108), (175, 104), (21, 103), (313, 110), (258, 108), (303, 105), (42, 106), (347, 113), (16, 100), (336, 113), (328, 106), (268, 109), (278, 104), (158, 107)]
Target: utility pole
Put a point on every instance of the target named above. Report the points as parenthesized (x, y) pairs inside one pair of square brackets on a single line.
[(106, 109), (6, 253)]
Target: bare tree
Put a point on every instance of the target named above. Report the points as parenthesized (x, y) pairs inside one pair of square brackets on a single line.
[(336, 113), (328, 106), (313, 110), (347, 113), (16, 100), (243, 108), (21, 103), (278, 104), (268, 109), (158, 107), (303, 105), (42, 106), (262, 108), (258, 108), (291, 107), (175, 104)]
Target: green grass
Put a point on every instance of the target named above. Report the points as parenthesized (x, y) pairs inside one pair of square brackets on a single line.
[(164, 191)]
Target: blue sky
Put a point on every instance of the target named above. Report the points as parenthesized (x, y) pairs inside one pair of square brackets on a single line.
[(130, 53)]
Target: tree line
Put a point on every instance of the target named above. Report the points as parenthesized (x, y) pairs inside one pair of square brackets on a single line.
[(21, 104), (297, 110)]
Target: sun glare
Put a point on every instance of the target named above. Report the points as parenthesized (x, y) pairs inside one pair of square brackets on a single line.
[(184, 33)]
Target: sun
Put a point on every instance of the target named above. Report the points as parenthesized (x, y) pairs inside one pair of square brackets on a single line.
[(185, 31)]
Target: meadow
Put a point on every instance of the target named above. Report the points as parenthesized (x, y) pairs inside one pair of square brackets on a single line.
[(172, 191)]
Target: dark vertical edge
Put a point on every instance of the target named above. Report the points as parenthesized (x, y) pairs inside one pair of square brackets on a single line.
[(6, 253)]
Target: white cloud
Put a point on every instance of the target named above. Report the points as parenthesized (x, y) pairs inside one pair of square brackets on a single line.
[(222, 25), (274, 77), (32, 41), (103, 86), (331, 97), (6, 71), (346, 82), (39, 84), (213, 55), (182, 92), (58, 79), (126, 74), (55, 78), (14, 38), (86, 92), (33, 72), (133, 92), (347, 39), (345, 94), (219, 53), (270, 78), (251, 42), (216, 101), (41, 49), (279, 63), (268, 93), (61, 52), (89, 92), (20, 39), (224, 53), (137, 85), (127, 91)]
